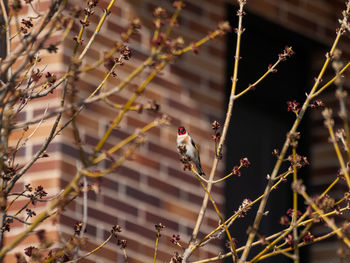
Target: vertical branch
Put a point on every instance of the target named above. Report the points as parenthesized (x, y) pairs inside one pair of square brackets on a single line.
[(239, 32), (4, 137), (199, 221)]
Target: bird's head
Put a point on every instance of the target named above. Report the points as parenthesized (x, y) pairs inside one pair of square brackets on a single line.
[(181, 131)]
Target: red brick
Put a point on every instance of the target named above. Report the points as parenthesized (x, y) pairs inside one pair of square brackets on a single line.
[(216, 86), (70, 151), (32, 238), (109, 183), (98, 73), (187, 74), (103, 40), (166, 84), (183, 107), (301, 21), (199, 28), (194, 129), (128, 173), (180, 210), (152, 95), (18, 187), (135, 122), (139, 55), (193, 8), (45, 166), (175, 121), (322, 12), (143, 196), (86, 121), (215, 17), (155, 219), (216, 52), (109, 219), (163, 186), (117, 29), (141, 159), (206, 99), (119, 205), (119, 133), (115, 10), (193, 198), (165, 152), (178, 174), (140, 230), (293, 2), (103, 110), (265, 7), (44, 6)]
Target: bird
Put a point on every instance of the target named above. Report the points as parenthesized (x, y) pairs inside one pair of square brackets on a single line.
[(190, 150)]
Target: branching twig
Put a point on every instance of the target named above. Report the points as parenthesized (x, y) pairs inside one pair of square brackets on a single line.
[(200, 217), (286, 146)]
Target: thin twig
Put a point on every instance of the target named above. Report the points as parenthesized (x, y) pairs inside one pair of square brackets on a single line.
[(295, 209), (156, 246), (85, 216), (98, 28), (236, 215), (329, 222), (232, 245), (18, 219), (261, 241), (92, 251)]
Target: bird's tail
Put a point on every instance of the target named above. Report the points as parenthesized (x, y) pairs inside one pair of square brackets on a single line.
[(199, 169)]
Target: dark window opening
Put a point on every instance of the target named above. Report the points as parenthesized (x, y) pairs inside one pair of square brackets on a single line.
[(260, 120)]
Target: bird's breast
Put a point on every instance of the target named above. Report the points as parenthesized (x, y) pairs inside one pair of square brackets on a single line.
[(183, 140)]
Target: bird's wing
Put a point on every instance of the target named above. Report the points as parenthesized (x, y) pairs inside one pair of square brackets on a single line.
[(194, 145)]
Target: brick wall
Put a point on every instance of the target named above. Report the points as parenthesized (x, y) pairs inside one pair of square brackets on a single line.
[(152, 187)]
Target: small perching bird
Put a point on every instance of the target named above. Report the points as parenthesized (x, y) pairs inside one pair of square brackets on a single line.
[(186, 147)]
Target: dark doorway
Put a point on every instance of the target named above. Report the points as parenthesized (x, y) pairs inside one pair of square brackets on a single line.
[(260, 119)]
